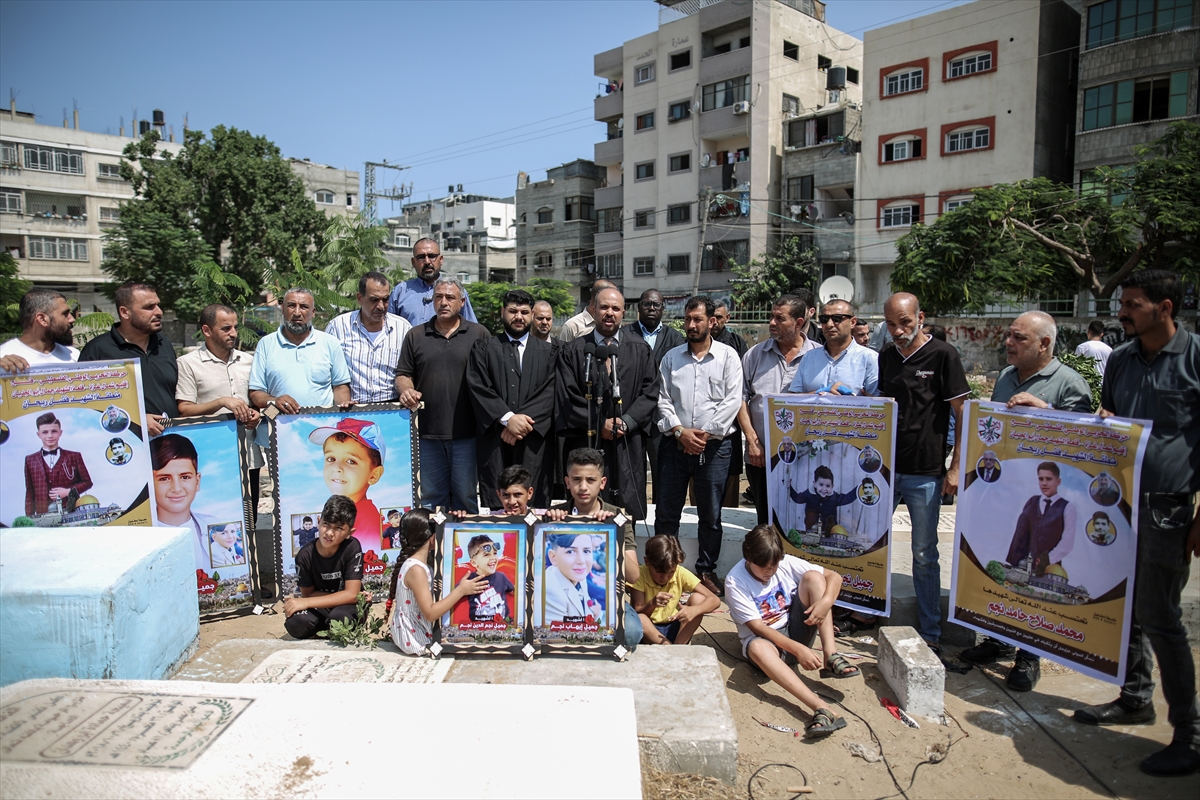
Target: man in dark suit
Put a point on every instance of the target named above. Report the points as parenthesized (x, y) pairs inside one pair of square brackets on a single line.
[(661, 338), (53, 473), (511, 381), (621, 427), (988, 470)]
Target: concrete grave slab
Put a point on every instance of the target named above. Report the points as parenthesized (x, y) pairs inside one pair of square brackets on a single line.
[(184, 739), (113, 602), (684, 722), (913, 671), (347, 666)]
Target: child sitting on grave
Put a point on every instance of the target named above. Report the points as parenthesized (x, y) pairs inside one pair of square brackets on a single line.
[(492, 602), (329, 571), (821, 504), (515, 490), (658, 593), (352, 461), (783, 637), (412, 587)]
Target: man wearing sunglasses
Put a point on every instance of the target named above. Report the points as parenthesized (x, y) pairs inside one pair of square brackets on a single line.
[(842, 366), (413, 299)]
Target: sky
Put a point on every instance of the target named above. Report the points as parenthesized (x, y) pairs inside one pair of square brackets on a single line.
[(463, 91)]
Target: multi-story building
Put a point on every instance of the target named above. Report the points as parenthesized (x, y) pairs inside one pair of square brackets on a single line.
[(475, 233), (968, 97), (694, 111), (556, 227), (335, 191)]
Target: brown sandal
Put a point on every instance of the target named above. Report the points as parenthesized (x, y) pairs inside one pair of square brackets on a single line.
[(840, 667)]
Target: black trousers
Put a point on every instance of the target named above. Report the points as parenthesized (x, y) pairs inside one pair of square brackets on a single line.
[(757, 477), (308, 623)]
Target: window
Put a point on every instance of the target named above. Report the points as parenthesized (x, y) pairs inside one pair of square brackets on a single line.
[(324, 197), (852, 75), (609, 219), (48, 159), (610, 266), (543, 260), (679, 214), (643, 219), (976, 139), (645, 122), (471, 222), (824, 63), (899, 216), (681, 60), (545, 216), (580, 208), (800, 190), (956, 202), (902, 150), (496, 222), (723, 255), (681, 162), (48, 247), (791, 105), (901, 82), (819, 130), (108, 214), (678, 111), (450, 225), (644, 171), (10, 201), (643, 266), (572, 258), (110, 172), (791, 50), (969, 65), (643, 74), (349, 201), (680, 263), (1135, 100), (402, 240), (1091, 185), (726, 93), (8, 153), (434, 227), (1117, 20), (55, 206)]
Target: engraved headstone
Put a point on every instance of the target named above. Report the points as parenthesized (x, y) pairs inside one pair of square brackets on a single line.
[(315, 666)]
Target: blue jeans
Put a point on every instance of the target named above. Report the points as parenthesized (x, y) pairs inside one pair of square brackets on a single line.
[(448, 476), (922, 495), (675, 469), (633, 628), (1162, 572)]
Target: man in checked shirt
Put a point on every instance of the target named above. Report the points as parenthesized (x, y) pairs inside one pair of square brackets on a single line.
[(371, 339)]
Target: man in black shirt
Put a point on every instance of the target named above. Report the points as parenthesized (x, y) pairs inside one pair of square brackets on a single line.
[(137, 334), (329, 570), (925, 377)]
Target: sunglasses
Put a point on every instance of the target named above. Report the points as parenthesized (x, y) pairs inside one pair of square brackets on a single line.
[(837, 319)]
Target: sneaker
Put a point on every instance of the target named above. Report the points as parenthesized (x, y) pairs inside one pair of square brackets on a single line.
[(1174, 761), (987, 651), (1025, 674), (1115, 713)]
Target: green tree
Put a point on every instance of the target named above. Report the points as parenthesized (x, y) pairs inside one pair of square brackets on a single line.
[(23, 522), (1085, 366), (792, 266), (995, 571), (12, 289), (354, 247), (227, 198), (486, 297)]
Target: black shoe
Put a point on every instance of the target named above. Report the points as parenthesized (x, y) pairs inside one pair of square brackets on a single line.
[(1175, 761), (987, 651), (1025, 674), (1115, 713)]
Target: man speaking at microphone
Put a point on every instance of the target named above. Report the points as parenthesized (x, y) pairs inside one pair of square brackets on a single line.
[(619, 412)]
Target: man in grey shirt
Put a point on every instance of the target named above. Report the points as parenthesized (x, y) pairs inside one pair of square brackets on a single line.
[(1039, 380), (1157, 377)]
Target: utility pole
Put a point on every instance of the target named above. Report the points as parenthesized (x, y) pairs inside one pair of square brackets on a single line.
[(705, 202), (370, 195)]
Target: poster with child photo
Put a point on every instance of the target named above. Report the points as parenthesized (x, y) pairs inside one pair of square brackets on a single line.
[(578, 587)]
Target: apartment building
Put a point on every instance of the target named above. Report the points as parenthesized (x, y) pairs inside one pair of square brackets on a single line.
[(556, 227), (968, 97), (694, 112), (335, 191), (475, 233)]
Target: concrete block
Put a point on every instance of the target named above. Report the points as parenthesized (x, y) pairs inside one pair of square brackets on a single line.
[(290, 661), (684, 723), (915, 674), (182, 739), (96, 602)]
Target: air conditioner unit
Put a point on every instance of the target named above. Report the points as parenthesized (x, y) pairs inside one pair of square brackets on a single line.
[(742, 107)]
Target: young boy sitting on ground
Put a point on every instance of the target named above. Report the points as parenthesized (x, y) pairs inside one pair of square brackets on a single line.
[(329, 570), (784, 636)]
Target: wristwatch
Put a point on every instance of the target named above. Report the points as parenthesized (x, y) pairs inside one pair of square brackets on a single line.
[(677, 432)]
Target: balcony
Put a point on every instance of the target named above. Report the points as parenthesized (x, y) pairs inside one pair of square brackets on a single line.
[(609, 106), (610, 196), (609, 152), (720, 123), (724, 177), (609, 64), (724, 66)]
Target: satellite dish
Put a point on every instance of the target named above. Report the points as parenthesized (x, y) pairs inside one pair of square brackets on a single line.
[(836, 288), (846, 215)]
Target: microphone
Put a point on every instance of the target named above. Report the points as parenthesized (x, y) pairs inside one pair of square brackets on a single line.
[(589, 350), (616, 383)]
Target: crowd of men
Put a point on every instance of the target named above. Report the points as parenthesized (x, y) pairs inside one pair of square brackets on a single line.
[(687, 404)]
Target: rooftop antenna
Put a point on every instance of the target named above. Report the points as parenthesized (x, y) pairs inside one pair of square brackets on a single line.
[(370, 195)]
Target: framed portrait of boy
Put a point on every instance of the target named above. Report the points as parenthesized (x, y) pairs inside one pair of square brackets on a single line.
[(491, 552), (367, 453), (200, 482), (578, 586)]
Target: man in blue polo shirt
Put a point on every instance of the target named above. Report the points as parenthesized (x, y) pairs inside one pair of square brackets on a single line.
[(842, 364), (413, 299), (297, 366)]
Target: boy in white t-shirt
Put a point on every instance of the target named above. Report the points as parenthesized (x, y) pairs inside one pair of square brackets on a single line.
[(780, 603)]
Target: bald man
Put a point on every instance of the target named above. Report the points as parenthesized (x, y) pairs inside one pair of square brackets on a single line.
[(543, 320), (584, 321), (926, 378)]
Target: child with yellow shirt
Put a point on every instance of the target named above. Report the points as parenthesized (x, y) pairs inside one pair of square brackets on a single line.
[(659, 590)]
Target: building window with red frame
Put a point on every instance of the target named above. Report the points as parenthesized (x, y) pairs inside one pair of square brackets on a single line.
[(906, 80), (903, 214)]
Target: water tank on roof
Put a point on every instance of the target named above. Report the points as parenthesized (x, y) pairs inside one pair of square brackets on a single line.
[(143, 127), (835, 78), (159, 119)]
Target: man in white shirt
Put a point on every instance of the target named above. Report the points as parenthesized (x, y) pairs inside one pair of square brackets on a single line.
[(46, 331), (1095, 348), (372, 339), (700, 393)]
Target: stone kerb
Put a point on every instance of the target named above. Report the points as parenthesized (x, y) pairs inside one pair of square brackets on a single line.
[(913, 671)]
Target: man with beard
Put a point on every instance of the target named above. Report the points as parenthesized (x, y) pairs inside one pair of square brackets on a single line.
[(543, 320), (372, 340), (621, 429), (297, 366), (660, 338), (46, 322), (585, 320), (511, 381), (413, 299), (721, 333), (926, 378), (137, 334), (842, 364)]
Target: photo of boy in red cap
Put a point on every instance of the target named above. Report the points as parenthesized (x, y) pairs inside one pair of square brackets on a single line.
[(353, 453)]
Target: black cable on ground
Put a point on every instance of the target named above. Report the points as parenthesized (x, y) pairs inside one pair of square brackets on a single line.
[(750, 783)]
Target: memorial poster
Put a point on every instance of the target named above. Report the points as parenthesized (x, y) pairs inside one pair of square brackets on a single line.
[(829, 488), (1045, 544), (365, 453), (578, 582), (200, 484), (73, 451)]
